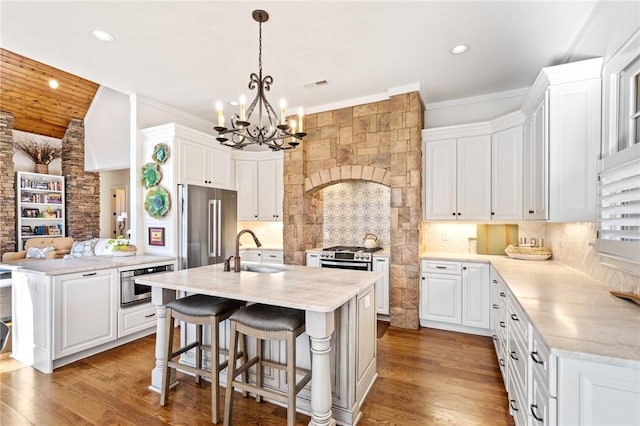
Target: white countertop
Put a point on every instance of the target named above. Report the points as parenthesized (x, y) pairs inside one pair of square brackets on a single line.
[(83, 264), (573, 312), (298, 287)]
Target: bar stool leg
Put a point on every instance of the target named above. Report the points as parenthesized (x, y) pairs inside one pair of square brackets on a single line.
[(198, 350), (168, 350), (231, 371), (244, 358), (291, 380), (215, 371), (259, 354)]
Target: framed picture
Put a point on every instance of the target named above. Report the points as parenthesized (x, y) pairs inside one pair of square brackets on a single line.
[(26, 229), (30, 212), (156, 236), (53, 230)]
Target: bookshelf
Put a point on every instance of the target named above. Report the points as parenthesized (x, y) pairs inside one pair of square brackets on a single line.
[(40, 206)]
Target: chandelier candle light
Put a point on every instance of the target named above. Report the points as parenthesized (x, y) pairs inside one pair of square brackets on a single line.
[(271, 131)]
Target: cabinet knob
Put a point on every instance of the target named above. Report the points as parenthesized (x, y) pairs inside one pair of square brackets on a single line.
[(493, 213), (464, 268), (454, 213)]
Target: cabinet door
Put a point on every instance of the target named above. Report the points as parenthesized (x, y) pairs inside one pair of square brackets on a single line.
[(219, 169), (313, 260), (193, 163), (268, 190), (475, 295), (247, 187), (440, 298), (440, 180), (381, 264), (474, 178), (506, 174), (535, 164), (85, 311), (366, 341), (574, 135)]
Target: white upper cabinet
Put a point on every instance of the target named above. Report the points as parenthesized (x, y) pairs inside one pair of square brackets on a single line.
[(260, 185), (204, 165), (506, 174), (562, 143), (271, 189), (247, 187), (457, 173)]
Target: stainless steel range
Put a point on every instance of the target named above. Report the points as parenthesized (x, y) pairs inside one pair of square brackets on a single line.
[(348, 257)]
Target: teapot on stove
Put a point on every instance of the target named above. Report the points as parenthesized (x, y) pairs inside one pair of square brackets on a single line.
[(370, 240)]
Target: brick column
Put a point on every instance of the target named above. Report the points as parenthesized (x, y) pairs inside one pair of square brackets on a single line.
[(82, 188), (7, 185)]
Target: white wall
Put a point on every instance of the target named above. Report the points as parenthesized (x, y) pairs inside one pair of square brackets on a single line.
[(106, 132)]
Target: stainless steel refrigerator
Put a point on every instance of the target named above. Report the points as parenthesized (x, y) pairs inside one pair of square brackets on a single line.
[(207, 224)]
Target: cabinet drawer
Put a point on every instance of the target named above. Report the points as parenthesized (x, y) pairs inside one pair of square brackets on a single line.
[(272, 256), (543, 407), (517, 401), (517, 319), (517, 355), (136, 318), (544, 364), (442, 267)]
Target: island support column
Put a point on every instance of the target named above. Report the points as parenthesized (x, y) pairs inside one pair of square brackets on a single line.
[(319, 327), (160, 297)]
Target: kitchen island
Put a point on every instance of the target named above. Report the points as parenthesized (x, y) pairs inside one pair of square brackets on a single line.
[(340, 322), (67, 309)]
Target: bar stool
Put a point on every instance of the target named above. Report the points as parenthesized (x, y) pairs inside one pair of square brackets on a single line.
[(200, 309), (266, 322)]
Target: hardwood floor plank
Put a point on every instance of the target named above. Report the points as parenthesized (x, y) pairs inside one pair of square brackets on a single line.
[(426, 377)]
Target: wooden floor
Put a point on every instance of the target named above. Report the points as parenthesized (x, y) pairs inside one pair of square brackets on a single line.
[(426, 377)]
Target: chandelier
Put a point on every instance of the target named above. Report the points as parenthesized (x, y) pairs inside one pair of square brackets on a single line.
[(269, 129)]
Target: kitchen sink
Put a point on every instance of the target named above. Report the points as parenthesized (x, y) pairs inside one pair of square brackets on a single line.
[(261, 269)]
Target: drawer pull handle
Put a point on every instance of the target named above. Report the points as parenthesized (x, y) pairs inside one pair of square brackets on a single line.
[(90, 274), (511, 402), (495, 306), (150, 315), (515, 317), (494, 337), (502, 324), (495, 281), (533, 413), (513, 355), (441, 267), (534, 357), (503, 294), (501, 362)]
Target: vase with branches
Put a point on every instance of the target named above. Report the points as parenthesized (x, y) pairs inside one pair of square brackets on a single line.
[(41, 152)]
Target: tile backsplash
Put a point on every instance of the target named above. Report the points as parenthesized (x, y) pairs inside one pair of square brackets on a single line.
[(351, 209)]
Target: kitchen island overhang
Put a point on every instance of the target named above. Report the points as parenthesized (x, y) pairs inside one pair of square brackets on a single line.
[(340, 322)]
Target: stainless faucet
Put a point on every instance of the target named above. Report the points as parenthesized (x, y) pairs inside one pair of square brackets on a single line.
[(237, 256)]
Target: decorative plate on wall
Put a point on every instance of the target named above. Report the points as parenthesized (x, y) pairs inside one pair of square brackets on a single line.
[(157, 202), (151, 175), (160, 153)]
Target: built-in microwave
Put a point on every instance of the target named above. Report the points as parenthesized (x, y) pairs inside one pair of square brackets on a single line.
[(133, 294)]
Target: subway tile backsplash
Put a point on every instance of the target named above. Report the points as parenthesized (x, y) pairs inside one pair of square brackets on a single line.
[(351, 209)]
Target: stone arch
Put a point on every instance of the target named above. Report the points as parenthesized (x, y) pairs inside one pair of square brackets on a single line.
[(324, 178)]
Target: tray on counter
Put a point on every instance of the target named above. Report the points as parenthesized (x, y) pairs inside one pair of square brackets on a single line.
[(629, 296)]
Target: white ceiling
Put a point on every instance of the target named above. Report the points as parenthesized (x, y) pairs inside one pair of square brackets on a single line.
[(191, 54)]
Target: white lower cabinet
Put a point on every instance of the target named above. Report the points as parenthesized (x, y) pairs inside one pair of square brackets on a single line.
[(455, 296), (313, 260), (136, 318), (381, 264), (85, 309)]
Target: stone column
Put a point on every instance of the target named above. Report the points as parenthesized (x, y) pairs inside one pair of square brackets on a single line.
[(82, 188), (7, 185)]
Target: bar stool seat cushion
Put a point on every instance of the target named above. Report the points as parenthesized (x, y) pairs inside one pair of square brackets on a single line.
[(201, 305), (269, 318)]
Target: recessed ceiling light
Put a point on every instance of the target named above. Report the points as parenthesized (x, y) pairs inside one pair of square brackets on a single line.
[(102, 35), (54, 84), (458, 49)]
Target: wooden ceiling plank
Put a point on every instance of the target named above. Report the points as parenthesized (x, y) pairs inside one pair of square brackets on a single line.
[(12, 74)]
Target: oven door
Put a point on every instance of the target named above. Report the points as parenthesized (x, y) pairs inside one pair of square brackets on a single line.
[(346, 264)]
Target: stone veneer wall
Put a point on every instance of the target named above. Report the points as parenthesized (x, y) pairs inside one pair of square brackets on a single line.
[(82, 188), (378, 142), (7, 185)]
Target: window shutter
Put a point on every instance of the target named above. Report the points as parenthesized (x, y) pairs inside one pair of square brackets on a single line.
[(619, 218)]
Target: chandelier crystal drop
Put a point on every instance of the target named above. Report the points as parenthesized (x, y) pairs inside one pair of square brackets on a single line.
[(268, 129)]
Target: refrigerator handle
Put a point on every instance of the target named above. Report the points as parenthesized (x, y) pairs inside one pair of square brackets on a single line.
[(211, 228), (219, 229), (182, 227)]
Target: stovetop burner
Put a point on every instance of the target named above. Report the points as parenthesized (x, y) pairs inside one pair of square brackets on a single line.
[(352, 249)]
